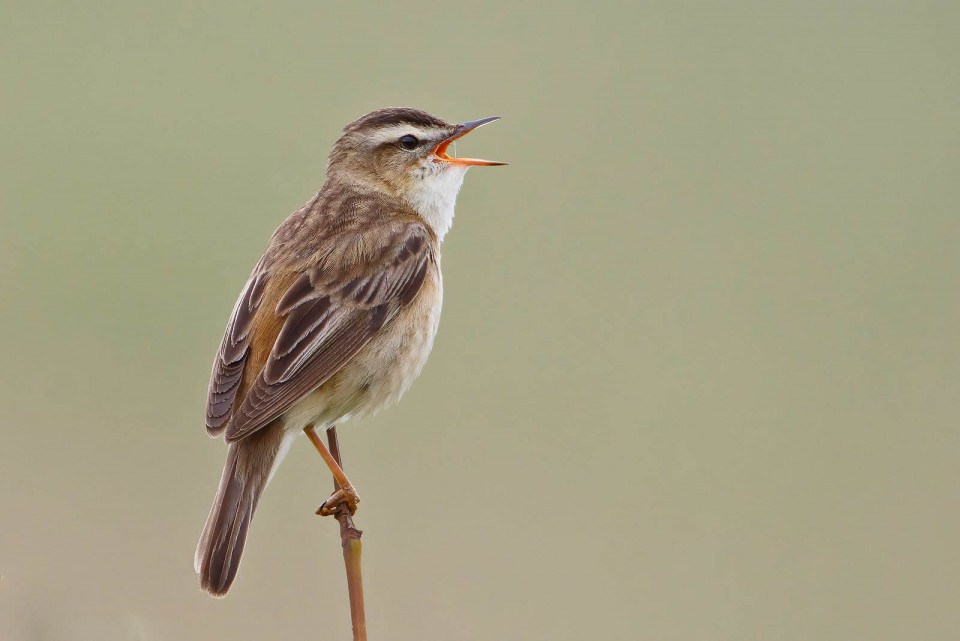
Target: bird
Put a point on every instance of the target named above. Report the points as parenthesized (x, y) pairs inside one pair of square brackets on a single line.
[(338, 316)]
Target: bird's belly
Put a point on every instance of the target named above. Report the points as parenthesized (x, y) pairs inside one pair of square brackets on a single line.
[(381, 372)]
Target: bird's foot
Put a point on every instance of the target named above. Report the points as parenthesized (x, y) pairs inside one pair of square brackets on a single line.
[(344, 496)]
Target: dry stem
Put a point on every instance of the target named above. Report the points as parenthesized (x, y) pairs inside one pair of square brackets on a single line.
[(352, 549)]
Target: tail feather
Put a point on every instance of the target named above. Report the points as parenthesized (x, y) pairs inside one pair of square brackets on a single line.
[(245, 474)]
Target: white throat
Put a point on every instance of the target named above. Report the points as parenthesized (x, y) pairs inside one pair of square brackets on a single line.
[(434, 195)]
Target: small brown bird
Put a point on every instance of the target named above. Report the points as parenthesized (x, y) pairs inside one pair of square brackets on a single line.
[(339, 315)]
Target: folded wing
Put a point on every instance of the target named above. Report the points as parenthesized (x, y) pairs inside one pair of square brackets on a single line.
[(317, 323)]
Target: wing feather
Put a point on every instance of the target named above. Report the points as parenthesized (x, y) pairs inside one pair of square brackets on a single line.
[(329, 312), (229, 363)]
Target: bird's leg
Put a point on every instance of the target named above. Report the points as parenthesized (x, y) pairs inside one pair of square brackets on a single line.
[(345, 494)]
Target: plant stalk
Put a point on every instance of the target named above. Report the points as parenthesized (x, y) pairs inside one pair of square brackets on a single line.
[(352, 550)]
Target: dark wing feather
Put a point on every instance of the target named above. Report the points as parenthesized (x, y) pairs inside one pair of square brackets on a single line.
[(232, 356), (330, 312)]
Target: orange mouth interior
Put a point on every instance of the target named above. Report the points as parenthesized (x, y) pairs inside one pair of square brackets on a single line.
[(440, 154)]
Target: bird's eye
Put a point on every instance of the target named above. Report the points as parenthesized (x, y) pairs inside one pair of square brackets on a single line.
[(409, 142)]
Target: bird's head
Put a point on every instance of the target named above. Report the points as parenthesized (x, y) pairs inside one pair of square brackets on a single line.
[(407, 152)]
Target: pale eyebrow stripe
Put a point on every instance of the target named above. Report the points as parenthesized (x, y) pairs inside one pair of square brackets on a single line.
[(393, 132)]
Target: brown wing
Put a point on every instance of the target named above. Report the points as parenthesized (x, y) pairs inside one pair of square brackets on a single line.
[(324, 317), (229, 363)]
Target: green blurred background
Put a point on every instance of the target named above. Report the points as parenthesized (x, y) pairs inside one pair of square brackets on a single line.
[(697, 375)]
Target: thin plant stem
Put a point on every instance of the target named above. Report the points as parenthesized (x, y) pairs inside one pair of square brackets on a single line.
[(350, 541)]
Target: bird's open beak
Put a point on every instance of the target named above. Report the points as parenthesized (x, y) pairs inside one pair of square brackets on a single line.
[(461, 130)]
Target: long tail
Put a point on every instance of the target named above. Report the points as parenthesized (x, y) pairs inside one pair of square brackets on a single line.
[(245, 474)]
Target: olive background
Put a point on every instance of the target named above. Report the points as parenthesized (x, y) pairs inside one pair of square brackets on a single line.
[(697, 373)]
